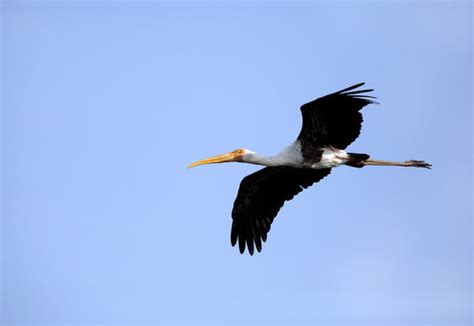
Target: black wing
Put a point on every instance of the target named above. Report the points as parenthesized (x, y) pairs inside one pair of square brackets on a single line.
[(333, 119), (260, 197)]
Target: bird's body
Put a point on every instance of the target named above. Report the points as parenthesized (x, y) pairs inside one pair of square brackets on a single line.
[(327, 157), (330, 124)]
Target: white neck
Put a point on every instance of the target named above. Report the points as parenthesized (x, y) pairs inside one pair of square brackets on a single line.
[(255, 158), (290, 156)]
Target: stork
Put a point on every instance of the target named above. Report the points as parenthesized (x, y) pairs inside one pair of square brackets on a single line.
[(330, 124)]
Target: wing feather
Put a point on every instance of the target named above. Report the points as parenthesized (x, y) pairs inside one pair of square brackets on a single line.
[(260, 197), (334, 119)]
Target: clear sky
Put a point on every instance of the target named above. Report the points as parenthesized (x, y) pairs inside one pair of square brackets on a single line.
[(105, 103)]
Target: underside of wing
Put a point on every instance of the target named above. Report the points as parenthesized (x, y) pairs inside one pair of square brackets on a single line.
[(334, 119), (260, 197)]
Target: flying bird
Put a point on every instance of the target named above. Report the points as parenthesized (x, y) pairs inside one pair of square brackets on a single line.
[(330, 124)]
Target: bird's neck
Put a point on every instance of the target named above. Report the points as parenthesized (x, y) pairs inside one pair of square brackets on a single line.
[(258, 159), (290, 156)]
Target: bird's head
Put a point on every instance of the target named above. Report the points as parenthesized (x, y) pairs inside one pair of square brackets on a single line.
[(239, 155)]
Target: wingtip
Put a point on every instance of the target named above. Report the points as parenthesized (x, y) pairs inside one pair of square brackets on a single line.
[(258, 243), (351, 87), (233, 234), (246, 244), (241, 245), (250, 248)]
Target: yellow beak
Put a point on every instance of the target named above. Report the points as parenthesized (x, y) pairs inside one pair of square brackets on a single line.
[(228, 157)]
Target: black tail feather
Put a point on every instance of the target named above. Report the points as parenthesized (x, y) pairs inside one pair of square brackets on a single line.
[(356, 160)]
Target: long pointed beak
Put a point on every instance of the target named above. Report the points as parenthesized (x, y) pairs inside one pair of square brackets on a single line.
[(228, 157)]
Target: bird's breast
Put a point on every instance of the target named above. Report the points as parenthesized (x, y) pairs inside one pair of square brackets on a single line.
[(330, 158)]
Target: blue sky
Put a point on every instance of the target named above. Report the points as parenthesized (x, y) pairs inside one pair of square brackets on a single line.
[(105, 103)]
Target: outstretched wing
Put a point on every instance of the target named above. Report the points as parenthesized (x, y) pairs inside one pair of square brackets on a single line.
[(260, 197), (334, 119)]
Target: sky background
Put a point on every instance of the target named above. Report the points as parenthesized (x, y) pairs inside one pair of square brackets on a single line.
[(105, 103)]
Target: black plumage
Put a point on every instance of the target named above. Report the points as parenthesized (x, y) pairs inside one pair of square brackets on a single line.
[(334, 120), (260, 197)]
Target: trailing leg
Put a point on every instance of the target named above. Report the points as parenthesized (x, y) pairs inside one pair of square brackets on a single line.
[(412, 163)]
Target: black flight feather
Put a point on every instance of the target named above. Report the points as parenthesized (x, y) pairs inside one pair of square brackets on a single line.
[(260, 197), (334, 119)]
